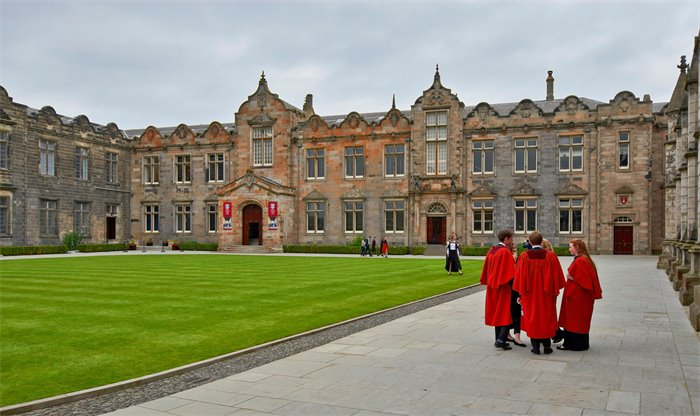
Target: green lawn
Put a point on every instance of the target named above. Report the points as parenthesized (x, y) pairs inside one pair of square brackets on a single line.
[(68, 324)]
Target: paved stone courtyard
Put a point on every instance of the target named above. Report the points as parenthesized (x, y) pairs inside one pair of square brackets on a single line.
[(644, 359)]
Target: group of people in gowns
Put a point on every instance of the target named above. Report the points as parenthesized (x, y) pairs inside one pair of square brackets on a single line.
[(521, 294)]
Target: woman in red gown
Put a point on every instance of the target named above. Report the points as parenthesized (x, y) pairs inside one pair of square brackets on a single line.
[(581, 290)]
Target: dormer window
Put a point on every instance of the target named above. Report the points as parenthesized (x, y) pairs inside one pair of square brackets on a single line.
[(262, 146)]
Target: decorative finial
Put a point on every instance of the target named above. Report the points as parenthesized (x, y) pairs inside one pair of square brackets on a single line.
[(437, 68), (262, 78), (683, 66), (393, 101), (436, 78)]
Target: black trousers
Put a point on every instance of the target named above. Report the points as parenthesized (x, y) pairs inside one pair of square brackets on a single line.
[(546, 342), (501, 333)]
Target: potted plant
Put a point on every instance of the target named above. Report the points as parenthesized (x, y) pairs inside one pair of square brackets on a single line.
[(149, 242), (132, 244), (175, 245)]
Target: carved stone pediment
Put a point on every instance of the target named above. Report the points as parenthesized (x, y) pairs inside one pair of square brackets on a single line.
[(315, 195), (261, 119), (482, 190), (483, 111), (393, 193), (524, 189), (527, 109), (183, 132), (571, 104), (353, 194), (624, 100), (83, 124), (570, 189), (150, 198)]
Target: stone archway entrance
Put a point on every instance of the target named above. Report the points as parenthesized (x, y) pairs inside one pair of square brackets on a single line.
[(436, 224), (252, 225)]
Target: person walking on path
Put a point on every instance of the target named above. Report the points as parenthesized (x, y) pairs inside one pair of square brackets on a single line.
[(538, 279), (452, 263), (385, 247), (496, 275), (374, 247), (581, 291)]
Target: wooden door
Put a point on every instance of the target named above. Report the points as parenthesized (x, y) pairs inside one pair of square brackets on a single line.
[(111, 228), (623, 239), (436, 230), (252, 225)]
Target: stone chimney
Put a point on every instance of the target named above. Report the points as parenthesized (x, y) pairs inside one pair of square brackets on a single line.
[(550, 86), (309, 105)]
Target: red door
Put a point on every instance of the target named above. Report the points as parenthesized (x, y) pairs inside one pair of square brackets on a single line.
[(436, 230), (252, 225), (622, 239)]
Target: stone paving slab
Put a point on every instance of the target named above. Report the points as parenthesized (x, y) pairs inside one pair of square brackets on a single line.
[(644, 360)]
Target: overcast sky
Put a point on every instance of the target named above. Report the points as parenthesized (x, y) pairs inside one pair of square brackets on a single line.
[(162, 63)]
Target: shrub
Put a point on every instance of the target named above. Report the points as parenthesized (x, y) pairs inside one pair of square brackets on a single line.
[(72, 240), (346, 249), (28, 250), (96, 248), (418, 250), (474, 250), (195, 246)]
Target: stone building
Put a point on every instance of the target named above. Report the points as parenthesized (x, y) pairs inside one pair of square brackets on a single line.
[(681, 247), (571, 167), (59, 174)]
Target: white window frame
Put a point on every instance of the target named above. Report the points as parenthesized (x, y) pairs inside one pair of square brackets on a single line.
[(151, 170), (571, 150), (528, 147), (183, 218), (569, 206), (354, 162), (47, 157), (395, 209), (111, 167), (183, 169), (216, 167), (81, 220), (5, 150), (436, 134), (48, 217), (623, 142), (262, 146), (151, 212), (82, 158), (483, 153), (354, 216), (523, 207), (394, 160), (315, 163), (212, 218), (5, 214), (482, 216), (315, 211)]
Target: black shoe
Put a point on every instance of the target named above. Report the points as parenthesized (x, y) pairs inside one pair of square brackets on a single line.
[(534, 351), (558, 337), (502, 345), (562, 348), (548, 351)]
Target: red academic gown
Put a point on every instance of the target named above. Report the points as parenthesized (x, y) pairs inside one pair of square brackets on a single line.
[(579, 295), (496, 274), (538, 279)]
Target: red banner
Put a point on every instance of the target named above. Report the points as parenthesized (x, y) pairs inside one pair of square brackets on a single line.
[(227, 209), (272, 209)]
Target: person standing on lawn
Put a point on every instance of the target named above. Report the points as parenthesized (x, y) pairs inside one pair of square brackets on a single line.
[(385, 247), (452, 263), (374, 247), (538, 279), (497, 275)]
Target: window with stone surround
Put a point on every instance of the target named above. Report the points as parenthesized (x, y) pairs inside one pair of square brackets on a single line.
[(215, 167), (111, 164), (4, 150), (81, 222), (354, 162), (570, 215), (183, 218), (623, 149), (151, 170), (151, 218), (525, 215), (571, 153), (525, 150), (5, 214), (315, 217), (482, 156), (212, 218), (315, 163), (394, 216), (47, 158), (47, 217), (81, 163), (436, 142), (183, 169), (482, 214), (262, 146), (354, 216), (394, 160)]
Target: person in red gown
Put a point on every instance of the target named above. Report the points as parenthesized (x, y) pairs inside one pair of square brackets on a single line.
[(581, 290), (496, 276), (538, 279)]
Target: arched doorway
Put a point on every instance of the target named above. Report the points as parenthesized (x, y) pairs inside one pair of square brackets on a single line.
[(252, 225), (436, 224), (623, 236)]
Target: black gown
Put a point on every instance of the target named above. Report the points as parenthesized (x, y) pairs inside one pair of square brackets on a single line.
[(452, 263)]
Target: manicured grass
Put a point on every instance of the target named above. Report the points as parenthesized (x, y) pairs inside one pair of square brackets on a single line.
[(68, 324)]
